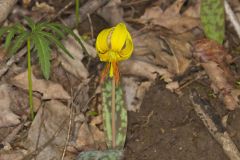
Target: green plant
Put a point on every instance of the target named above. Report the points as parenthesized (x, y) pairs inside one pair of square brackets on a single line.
[(77, 12), (213, 19), (113, 45), (39, 36)]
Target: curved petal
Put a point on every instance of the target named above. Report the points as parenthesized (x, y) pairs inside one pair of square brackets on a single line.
[(127, 51), (118, 37), (104, 57), (101, 42)]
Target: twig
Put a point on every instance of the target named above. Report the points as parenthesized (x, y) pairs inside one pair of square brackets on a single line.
[(62, 10), (91, 25), (232, 17), (214, 126), (113, 114), (69, 130)]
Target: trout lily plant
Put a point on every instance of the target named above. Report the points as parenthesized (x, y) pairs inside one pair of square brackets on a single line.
[(39, 37), (113, 45)]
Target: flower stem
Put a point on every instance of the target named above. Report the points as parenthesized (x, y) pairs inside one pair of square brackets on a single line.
[(113, 114), (30, 78), (77, 12)]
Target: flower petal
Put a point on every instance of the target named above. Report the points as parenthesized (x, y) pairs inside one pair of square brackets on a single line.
[(102, 41), (118, 37), (127, 51), (104, 57)]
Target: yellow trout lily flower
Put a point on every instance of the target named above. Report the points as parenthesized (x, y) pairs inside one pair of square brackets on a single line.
[(113, 45)]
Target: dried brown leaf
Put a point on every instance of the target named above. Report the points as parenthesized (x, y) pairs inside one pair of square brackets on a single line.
[(85, 139), (50, 121), (7, 117), (170, 18), (16, 155), (134, 92), (43, 7), (177, 61), (144, 69), (50, 90), (75, 66)]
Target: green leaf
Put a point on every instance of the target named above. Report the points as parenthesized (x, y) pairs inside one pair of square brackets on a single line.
[(121, 115), (55, 29), (41, 44), (3, 30), (213, 19), (18, 42), (31, 23), (56, 42), (9, 37), (69, 31)]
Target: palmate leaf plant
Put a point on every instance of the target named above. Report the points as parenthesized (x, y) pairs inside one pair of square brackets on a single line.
[(39, 36)]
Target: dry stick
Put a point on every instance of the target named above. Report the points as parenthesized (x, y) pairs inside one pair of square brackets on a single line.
[(69, 130), (113, 114), (232, 17), (216, 129)]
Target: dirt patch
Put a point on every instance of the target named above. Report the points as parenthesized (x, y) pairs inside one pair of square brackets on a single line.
[(167, 128)]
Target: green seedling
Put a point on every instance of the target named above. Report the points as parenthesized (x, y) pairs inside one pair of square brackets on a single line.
[(39, 36)]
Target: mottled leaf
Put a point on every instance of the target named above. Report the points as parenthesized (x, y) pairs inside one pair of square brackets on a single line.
[(213, 19), (121, 115), (101, 155)]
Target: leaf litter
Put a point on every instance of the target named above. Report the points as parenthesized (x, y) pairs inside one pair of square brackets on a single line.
[(159, 55)]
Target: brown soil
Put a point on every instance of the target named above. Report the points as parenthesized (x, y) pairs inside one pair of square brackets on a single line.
[(167, 128)]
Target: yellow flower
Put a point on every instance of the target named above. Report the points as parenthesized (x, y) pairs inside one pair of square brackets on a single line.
[(113, 45)]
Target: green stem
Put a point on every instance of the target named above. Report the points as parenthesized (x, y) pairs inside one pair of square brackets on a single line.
[(30, 78), (77, 12), (113, 114)]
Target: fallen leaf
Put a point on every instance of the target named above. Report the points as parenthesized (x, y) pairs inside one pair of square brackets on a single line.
[(144, 69), (214, 60), (50, 121), (7, 117), (134, 92), (43, 7), (16, 155), (50, 90), (85, 138), (75, 65), (112, 12), (26, 3), (172, 86), (170, 18), (171, 53)]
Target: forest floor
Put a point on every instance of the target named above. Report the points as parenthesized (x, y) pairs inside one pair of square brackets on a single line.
[(158, 79)]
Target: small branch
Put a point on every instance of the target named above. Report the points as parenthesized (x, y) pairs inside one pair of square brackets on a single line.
[(214, 125), (113, 114), (69, 130), (232, 17)]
